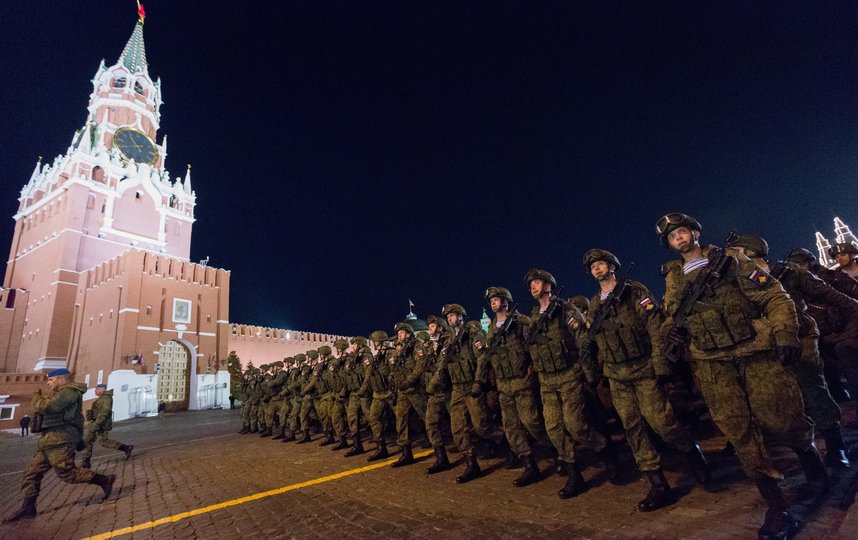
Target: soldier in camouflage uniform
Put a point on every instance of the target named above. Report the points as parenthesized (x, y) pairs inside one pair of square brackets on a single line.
[(271, 400), (410, 398), (254, 398), (263, 398), (61, 431), (377, 381), (309, 396), (747, 385), (324, 381), (561, 382), (804, 287), (506, 354), (626, 349), (284, 398), (295, 385), (469, 414), (359, 405), (437, 386), (99, 426), (339, 394), (838, 339), (247, 377), (846, 256)]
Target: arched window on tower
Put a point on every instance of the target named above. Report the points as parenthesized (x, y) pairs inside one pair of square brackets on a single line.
[(120, 82), (90, 201), (138, 88)]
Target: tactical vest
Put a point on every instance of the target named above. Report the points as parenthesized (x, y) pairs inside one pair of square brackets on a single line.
[(331, 377), (70, 416), (352, 373), (506, 353), (321, 383), (553, 348), (462, 366), (722, 318), (379, 373), (623, 336)]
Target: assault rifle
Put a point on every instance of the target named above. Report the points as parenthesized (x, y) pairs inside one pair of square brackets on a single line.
[(709, 276), (500, 335), (543, 319)]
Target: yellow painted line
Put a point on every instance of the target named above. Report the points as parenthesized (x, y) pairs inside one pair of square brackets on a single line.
[(242, 500)]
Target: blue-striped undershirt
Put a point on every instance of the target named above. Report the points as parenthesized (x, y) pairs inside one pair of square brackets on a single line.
[(694, 265)]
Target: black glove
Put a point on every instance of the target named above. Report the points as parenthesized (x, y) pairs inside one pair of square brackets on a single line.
[(788, 356), (476, 389), (404, 386)]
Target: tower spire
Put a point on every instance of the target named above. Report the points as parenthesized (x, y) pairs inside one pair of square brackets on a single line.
[(133, 55)]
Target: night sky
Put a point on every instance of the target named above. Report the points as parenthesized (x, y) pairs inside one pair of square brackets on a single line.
[(350, 156)]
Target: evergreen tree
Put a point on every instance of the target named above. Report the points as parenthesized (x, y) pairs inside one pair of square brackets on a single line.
[(236, 375)]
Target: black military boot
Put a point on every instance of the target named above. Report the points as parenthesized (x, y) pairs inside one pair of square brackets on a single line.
[(442, 463), (561, 467), (814, 469), (86, 463), (660, 494), (380, 451), (266, 432), (612, 464), (835, 450), (27, 511), (305, 437), (698, 464), (127, 448), (344, 443), (329, 439), (575, 484), (531, 472), (281, 433), (289, 436), (105, 483), (779, 524), (472, 470), (244, 429), (405, 458), (357, 449)]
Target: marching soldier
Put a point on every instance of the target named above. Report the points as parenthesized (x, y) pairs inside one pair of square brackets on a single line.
[(410, 399), (61, 429), (377, 381), (283, 398), (309, 397), (846, 255), (353, 377), (339, 394), (561, 382), (296, 385), (733, 311), (804, 287), (506, 354), (99, 426), (436, 383), (622, 342)]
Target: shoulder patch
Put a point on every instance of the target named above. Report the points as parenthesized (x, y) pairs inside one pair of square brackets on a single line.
[(760, 276), (647, 304)]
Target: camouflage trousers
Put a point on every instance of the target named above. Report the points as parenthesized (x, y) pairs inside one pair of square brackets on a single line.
[(58, 457), (357, 406), (470, 418), (520, 413), (338, 417), (818, 403), (562, 394), (285, 412), (323, 409), (640, 403), (295, 415), (380, 402), (437, 413), (753, 401), (408, 403), (90, 436), (260, 415), (308, 412), (271, 410)]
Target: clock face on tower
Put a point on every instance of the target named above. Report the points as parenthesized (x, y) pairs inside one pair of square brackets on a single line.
[(135, 145)]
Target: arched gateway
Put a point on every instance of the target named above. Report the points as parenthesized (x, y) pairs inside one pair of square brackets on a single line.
[(174, 388)]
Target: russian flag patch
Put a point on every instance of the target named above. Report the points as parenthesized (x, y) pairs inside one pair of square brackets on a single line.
[(759, 276), (647, 304)]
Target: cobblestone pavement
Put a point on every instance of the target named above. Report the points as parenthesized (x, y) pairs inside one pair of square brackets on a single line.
[(190, 461)]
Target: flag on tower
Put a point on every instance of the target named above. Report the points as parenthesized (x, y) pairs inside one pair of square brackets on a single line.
[(410, 304), (141, 12)]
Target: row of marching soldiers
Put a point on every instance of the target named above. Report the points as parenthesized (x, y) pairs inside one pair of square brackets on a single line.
[(749, 333)]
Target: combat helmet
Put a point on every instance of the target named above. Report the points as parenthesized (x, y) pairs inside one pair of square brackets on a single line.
[(752, 242), (404, 326), (423, 336), (341, 344), (325, 351), (360, 340), (673, 221), (299, 359), (313, 354), (594, 255), (289, 361), (581, 302), (379, 336), (800, 255), (453, 308), (538, 273), (842, 247), (278, 363), (500, 292)]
